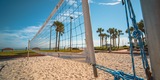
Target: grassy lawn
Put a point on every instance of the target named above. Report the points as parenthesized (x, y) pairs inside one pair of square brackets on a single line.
[(17, 53)]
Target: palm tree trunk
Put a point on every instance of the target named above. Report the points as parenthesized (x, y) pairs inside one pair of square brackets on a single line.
[(102, 42), (110, 44), (118, 41), (142, 39), (106, 43), (135, 43), (56, 41), (59, 40), (113, 41)]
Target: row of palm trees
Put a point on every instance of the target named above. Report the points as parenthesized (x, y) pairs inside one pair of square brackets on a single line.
[(113, 34)]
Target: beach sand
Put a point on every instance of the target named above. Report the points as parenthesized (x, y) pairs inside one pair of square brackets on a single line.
[(53, 68)]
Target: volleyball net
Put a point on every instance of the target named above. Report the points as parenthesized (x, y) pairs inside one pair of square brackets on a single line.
[(63, 30)]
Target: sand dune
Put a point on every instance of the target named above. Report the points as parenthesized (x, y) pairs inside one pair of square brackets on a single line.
[(52, 68)]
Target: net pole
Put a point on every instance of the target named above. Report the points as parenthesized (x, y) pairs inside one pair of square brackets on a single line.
[(151, 15), (88, 34)]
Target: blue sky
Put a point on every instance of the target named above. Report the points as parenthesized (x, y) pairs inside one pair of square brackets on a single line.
[(21, 19)]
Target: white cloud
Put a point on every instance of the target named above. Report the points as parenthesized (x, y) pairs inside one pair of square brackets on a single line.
[(17, 38), (111, 3), (30, 29), (72, 2), (64, 16), (90, 1)]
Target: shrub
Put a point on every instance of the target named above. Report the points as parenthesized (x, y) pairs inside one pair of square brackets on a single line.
[(100, 48)]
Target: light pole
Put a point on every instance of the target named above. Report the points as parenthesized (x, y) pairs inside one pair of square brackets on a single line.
[(50, 38), (71, 33), (28, 49)]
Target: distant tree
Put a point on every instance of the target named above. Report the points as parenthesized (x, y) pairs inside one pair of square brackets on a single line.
[(59, 30), (100, 30), (141, 27), (114, 36), (106, 37), (110, 31), (131, 30), (103, 35), (119, 33)]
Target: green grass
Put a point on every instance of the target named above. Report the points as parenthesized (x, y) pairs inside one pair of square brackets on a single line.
[(16, 53)]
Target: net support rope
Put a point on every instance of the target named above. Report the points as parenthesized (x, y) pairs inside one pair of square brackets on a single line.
[(118, 75), (137, 35)]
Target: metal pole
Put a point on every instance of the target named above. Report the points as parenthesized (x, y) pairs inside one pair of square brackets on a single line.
[(71, 33), (151, 15), (28, 49), (50, 38), (88, 34)]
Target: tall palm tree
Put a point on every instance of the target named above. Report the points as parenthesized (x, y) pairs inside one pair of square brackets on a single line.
[(60, 31), (110, 31), (106, 37), (58, 25), (114, 36), (131, 31), (103, 35), (141, 27), (119, 33), (100, 30)]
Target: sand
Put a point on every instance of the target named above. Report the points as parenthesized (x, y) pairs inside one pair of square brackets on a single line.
[(53, 68)]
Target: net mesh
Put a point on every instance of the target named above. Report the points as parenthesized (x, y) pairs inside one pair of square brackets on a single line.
[(71, 16)]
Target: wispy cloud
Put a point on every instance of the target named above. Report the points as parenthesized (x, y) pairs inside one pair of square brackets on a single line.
[(111, 3), (90, 1), (17, 38)]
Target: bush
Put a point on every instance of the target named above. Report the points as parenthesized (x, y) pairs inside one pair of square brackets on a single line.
[(75, 48), (125, 47), (100, 48)]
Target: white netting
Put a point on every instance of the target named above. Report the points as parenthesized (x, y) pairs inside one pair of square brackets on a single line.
[(70, 14)]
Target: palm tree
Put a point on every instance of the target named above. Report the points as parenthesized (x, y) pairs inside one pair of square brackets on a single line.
[(59, 27), (131, 31), (61, 31), (114, 36), (100, 30), (106, 37), (141, 27), (119, 33), (102, 36), (110, 31)]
